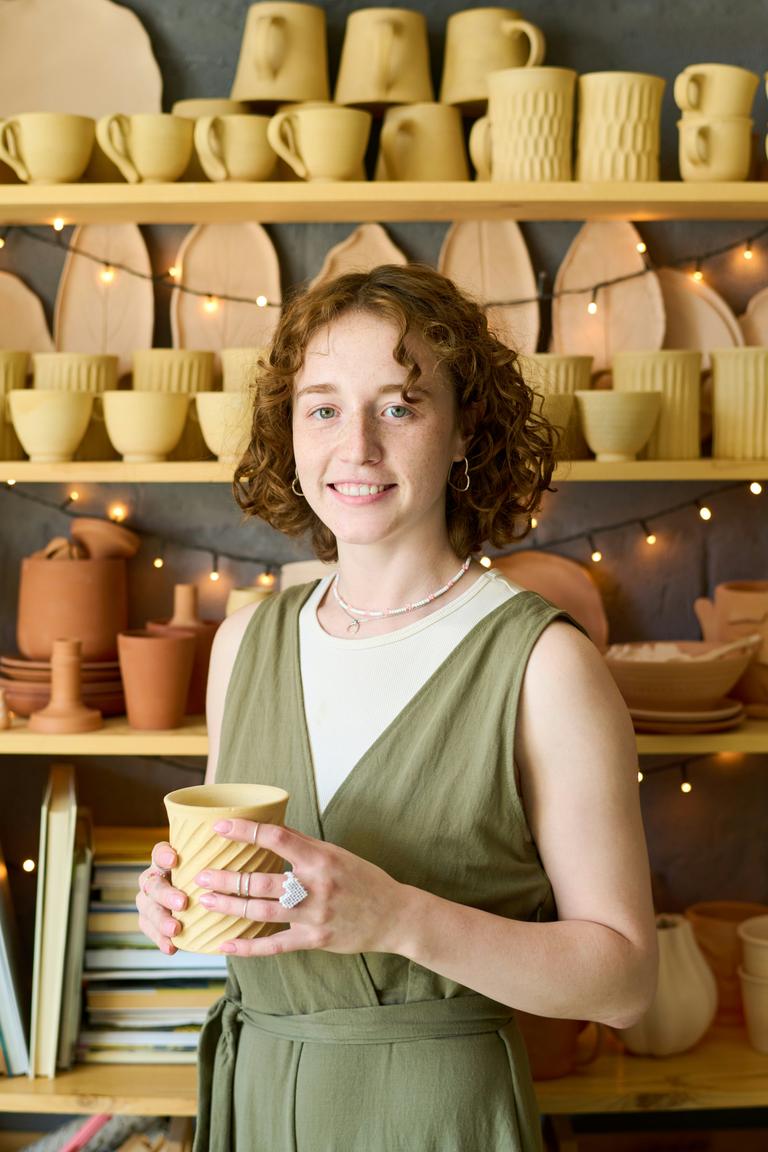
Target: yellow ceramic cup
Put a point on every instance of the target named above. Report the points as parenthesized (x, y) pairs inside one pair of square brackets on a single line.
[(192, 813)]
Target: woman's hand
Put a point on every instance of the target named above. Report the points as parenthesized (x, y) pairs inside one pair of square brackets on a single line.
[(351, 906), (156, 897)]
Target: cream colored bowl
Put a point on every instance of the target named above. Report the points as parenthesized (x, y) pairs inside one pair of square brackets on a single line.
[(49, 424), (145, 426), (172, 370), (678, 684), (225, 423), (616, 425)]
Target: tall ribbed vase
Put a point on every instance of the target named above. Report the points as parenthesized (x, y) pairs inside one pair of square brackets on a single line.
[(740, 404), (677, 375)]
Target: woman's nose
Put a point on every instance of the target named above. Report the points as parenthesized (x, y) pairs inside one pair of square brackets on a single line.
[(360, 442)]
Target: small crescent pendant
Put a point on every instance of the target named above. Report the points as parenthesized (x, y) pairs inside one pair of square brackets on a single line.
[(353, 627)]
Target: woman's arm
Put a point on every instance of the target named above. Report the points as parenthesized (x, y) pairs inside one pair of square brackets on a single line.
[(226, 644), (576, 753)]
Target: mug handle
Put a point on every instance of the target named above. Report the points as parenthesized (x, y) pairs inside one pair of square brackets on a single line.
[(687, 91), (112, 135), (208, 147), (696, 145), (391, 134), (480, 147), (270, 46), (281, 134), (9, 148), (384, 72), (535, 37)]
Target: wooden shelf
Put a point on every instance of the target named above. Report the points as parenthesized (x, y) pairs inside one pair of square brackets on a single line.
[(213, 472), (272, 202), (721, 1072), (116, 738)]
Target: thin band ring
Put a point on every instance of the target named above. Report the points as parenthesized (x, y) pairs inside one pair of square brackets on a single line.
[(247, 884), (255, 833), (239, 880), (245, 908)]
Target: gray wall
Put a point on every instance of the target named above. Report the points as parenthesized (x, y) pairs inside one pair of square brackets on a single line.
[(708, 844)]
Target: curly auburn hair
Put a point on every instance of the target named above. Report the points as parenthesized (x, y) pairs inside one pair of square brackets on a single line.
[(512, 450)]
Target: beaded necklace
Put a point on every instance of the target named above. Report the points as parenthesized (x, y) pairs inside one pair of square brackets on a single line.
[(365, 613)]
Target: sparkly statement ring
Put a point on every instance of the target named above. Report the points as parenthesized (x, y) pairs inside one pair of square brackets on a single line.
[(293, 891)]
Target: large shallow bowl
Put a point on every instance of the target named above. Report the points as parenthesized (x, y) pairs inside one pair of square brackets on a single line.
[(672, 685)]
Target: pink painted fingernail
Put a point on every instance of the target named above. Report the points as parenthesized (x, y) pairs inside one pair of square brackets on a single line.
[(223, 826), (203, 880), (227, 948), (208, 900), (178, 901)]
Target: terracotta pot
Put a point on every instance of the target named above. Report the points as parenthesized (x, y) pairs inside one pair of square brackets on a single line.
[(82, 598), (66, 711), (186, 619), (715, 924), (556, 1047), (156, 670)]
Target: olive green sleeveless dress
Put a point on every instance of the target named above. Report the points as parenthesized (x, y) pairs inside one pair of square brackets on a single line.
[(319, 1052)]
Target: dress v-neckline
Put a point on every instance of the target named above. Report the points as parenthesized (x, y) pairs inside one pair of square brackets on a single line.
[(411, 705)]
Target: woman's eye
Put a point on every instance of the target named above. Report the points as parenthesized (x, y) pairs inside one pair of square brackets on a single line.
[(324, 413), (398, 411)]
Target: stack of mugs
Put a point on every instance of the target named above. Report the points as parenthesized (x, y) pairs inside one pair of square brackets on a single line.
[(716, 127), (753, 975), (619, 127)]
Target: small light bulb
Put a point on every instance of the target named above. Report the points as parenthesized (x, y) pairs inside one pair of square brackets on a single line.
[(10, 483), (705, 513), (107, 274), (755, 488), (686, 786), (261, 301), (2, 241), (534, 522), (158, 562), (597, 556), (640, 776), (697, 274), (592, 306), (58, 224), (211, 304), (74, 496), (641, 247), (485, 561), (214, 576), (174, 272), (650, 538), (265, 580), (28, 865), (747, 253), (117, 512)]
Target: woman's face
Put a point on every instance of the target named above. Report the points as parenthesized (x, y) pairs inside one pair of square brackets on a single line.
[(372, 466)]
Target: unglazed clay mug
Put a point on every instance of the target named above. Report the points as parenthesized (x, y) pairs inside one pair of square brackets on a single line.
[(192, 813), (283, 55), (234, 147), (553, 374), (527, 133), (148, 147), (75, 371), (479, 41), (422, 142), (172, 370), (321, 143), (715, 147), (676, 373), (619, 126), (47, 147), (716, 89), (384, 58), (197, 107), (740, 403)]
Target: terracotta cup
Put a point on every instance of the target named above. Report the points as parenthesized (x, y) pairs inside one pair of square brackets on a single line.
[(240, 367), (47, 147), (65, 711), (82, 598), (619, 126), (156, 670), (740, 403), (677, 375), (479, 41), (384, 59), (422, 142), (49, 424), (715, 147), (716, 89), (321, 144), (283, 55), (185, 619), (192, 813), (148, 147), (234, 147), (527, 134), (715, 924)]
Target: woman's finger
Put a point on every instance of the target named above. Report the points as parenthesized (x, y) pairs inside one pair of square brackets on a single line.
[(302, 851), (241, 883)]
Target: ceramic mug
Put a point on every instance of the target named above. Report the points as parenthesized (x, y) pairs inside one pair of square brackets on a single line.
[(283, 55), (715, 147), (47, 147), (75, 371), (553, 374), (422, 142), (740, 403), (619, 126), (384, 58), (480, 41), (234, 147), (716, 89), (676, 373), (321, 143), (527, 133), (172, 370), (148, 147), (194, 109)]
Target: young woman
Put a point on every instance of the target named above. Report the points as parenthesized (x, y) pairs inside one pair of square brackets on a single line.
[(463, 828)]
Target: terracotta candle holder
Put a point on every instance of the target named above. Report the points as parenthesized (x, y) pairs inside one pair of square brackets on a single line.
[(66, 711), (185, 618)]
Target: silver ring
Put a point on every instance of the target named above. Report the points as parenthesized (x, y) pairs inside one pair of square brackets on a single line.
[(255, 833), (245, 908), (294, 891), (247, 884), (239, 878)]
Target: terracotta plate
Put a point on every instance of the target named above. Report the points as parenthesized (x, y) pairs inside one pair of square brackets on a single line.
[(565, 583), (725, 709), (687, 729), (107, 667)]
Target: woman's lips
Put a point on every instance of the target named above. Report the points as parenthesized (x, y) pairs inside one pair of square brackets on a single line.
[(366, 498)]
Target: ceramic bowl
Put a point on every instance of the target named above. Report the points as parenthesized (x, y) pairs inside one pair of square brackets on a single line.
[(617, 425), (74, 371), (675, 685), (49, 424), (753, 934), (224, 423), (172, 370), (145, 426)]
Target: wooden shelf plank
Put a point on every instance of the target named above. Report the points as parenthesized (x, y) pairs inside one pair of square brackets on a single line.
[(135, 1089), (214, 472), (273, 202), (116, 738)]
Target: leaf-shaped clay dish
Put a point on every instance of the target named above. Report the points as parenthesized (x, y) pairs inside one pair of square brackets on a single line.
[(754, 322), (488, 259), (697, 316), (629, 316), (226, 259), (366, 248), (22, 320), (115, 317)]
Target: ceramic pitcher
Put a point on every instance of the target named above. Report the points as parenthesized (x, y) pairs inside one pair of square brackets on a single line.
[(384, 58), (283, 55), (480, 41)]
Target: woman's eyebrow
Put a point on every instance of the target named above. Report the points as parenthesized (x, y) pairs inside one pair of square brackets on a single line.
[(386, 389)]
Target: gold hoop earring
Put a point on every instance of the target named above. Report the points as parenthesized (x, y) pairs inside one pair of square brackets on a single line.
[(458, 487), (296, 491)]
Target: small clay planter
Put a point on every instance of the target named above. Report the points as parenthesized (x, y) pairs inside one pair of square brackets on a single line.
[(185, 618), (66, 711), (715, 926), (156, 670), (83, 598)]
